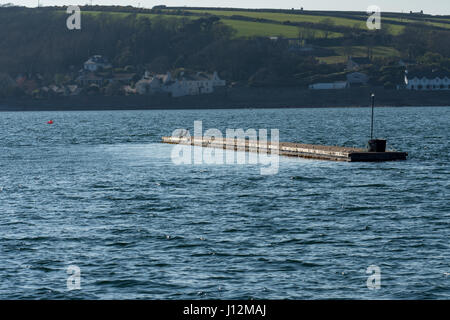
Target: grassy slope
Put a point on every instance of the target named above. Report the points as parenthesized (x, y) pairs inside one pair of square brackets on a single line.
[(243, 28), (249, 29), (253, 29), (281, 17), (428, 22), (266, 29), (356, 21)]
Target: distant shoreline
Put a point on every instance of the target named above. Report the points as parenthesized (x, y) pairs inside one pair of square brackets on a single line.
[(237, 98), (63, 109)]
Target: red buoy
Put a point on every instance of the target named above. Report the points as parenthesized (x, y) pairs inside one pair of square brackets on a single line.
[(50, 122)]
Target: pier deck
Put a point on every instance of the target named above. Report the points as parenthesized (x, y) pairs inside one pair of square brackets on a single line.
[(290, 149)]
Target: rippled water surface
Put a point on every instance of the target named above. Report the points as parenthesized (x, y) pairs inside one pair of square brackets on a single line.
[(98, 190)]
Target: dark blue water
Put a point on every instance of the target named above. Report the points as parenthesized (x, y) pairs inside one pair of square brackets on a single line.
[(97, 190)]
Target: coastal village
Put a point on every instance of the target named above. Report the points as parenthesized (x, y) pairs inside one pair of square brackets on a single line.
[(97, 76), (171, 53)]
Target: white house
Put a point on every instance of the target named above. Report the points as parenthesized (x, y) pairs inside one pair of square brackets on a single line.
[(184, 85), (96, 62), (427, 81), (195, 84), (154, 84), (329, 86)]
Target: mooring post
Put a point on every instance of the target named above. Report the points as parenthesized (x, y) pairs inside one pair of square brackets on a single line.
[(371, 124), (375, 145)]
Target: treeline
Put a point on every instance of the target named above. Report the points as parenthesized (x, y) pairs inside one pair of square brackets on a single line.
[(415, 41), (37, 41), (34, 40)]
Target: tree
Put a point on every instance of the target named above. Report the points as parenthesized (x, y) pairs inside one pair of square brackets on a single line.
[(328, 25), (412, 42)]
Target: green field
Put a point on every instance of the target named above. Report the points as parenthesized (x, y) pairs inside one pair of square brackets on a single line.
[(358, 21), (261, 29), (268, 29), (252, 29), (273, 26), (243, 28), (282, 17), (412, 21)]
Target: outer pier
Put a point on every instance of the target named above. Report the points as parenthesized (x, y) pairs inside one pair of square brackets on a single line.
[(309, 151)]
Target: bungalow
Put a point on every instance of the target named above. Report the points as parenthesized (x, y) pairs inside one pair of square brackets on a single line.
[(427, 81)]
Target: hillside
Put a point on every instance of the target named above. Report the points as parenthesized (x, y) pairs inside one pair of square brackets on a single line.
[(261, 22), (258, 48), (312, 25)]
